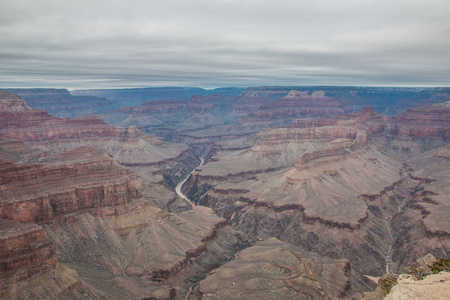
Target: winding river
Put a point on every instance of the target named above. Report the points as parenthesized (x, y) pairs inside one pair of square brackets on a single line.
[(180, 184)]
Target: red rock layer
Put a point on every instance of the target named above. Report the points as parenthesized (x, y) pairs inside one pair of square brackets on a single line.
[(25, 251), (81, 179), (432, 120)]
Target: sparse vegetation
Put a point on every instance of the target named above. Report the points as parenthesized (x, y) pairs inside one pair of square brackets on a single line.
[(417, 272), (387, 283), (440, 265)]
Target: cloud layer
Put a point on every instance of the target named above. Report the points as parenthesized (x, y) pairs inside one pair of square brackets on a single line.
[(212, 43)]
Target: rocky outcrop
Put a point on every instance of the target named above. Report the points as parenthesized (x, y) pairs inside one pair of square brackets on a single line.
[(433, 287), (12, 103), (274, 270)]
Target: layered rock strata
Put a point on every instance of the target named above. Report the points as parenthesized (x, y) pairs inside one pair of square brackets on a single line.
[(298, 104), (25, 250), (84, 178), (275, 270), (330, 185), (29, 267)]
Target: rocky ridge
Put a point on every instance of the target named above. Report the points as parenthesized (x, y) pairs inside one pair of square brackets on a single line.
[(298, 183)]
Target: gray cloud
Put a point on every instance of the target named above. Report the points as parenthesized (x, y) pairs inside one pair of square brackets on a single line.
[(210, 43)]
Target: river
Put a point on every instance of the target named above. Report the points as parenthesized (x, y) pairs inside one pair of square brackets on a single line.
[(180, 184)]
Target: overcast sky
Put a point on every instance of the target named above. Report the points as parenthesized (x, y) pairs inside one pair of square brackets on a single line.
[(213, 43)]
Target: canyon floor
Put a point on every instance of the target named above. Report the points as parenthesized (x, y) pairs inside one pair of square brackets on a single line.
[(262, 193)]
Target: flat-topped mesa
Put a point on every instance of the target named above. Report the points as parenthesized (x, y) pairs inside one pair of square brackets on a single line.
[(82, 179), (154, 107), (25, 251), (194, 103), (298, 103), (429, 121)]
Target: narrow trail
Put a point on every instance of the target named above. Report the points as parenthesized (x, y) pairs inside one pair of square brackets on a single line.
[(180, 184)]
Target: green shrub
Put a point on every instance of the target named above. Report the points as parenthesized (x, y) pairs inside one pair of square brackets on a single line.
[(440, 265), (417, 272), (387, 284)]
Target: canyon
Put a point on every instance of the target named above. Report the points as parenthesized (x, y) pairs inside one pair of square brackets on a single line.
[(185, 193)]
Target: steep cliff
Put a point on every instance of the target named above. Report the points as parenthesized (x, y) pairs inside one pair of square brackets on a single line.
[(29, 266), (84, 178)]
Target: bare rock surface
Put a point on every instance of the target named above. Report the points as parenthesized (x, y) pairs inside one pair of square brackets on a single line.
[(433, 287), (275, 270)]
